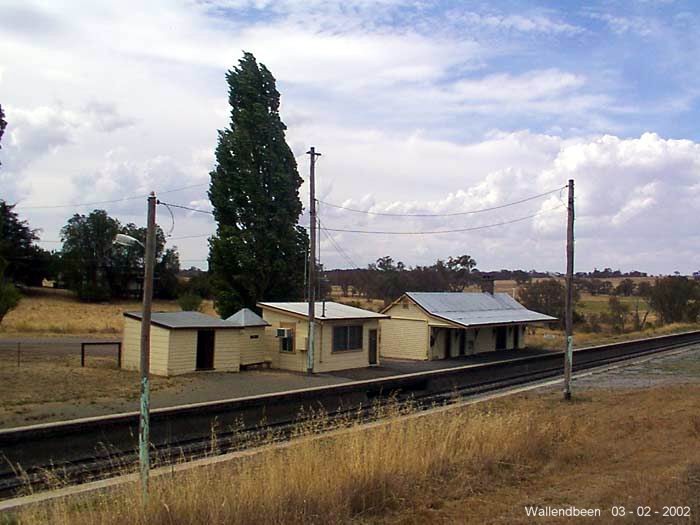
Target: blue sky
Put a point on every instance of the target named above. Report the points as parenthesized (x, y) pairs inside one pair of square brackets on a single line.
[(418, 107)]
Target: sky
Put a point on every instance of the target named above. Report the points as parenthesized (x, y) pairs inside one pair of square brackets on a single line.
[(418, 108)]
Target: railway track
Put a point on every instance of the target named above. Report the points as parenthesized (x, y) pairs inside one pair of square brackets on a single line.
[(93, 448)]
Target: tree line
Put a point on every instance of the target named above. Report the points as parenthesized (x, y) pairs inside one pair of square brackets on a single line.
[(89, 262)]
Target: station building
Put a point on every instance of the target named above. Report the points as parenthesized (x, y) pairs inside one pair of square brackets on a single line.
[(440, 325), (184, 342), (346, 337)]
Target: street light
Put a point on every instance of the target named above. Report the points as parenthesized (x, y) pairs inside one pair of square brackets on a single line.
[(144, 418), (127, 240)]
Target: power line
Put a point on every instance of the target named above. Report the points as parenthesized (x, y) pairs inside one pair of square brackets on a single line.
[(186, 208), (459, 230), (481, 210), (338, 249), (131, 198)]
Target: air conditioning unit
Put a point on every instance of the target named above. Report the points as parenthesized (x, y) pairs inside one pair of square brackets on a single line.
[(285, 333)]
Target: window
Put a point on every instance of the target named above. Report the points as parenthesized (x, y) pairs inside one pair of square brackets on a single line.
[(254, 336), (347, 338), (287, 344)]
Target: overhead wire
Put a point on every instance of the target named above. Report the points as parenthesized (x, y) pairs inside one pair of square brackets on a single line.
[(94, 203), (437, 232), (452, 214)]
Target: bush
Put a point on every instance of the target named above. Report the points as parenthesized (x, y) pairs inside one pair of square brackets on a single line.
[(190, 302), (9, 298)]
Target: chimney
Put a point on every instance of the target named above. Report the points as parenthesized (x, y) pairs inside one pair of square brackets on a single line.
[(487, 284)]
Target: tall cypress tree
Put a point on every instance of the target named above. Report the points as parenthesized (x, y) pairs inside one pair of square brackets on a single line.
[(258, 251)]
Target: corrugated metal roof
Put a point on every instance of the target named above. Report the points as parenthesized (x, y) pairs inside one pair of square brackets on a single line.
[(475, 309), (332, 310), (245, 317), (183, 320)]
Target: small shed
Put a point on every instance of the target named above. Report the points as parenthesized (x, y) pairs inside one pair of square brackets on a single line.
[(252, 334), (440, 325), (346, 337), (183, 342)]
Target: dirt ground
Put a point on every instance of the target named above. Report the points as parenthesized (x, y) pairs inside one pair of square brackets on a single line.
[(46, 389)]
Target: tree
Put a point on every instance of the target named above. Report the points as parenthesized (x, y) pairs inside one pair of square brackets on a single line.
[(3, 125), (675, 299), (258, 251), (617, 314), (98, 270), (9, 296), (26, 263), (88, 255), (625, 288), (547, 296), (461, 268)]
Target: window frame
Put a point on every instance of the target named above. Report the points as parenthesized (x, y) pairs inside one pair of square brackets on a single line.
[(346, 328)]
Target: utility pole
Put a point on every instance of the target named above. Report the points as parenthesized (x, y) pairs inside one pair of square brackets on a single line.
[(144, 419), (569, 315), (312, 261)]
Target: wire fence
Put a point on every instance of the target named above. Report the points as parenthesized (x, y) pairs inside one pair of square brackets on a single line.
[(72, 353)]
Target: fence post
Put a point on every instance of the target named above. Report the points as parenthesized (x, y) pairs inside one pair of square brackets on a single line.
[(19, 353)]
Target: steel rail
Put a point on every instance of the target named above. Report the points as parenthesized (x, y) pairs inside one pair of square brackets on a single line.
[(92, 448)]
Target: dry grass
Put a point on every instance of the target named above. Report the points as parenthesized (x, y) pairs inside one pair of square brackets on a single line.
[(61, 379), (57, 312), (554, 339), (476, 465)]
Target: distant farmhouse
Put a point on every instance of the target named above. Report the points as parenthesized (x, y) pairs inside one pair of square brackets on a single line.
[(440, 325)]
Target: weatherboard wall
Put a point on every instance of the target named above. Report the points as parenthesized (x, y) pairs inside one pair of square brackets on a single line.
[(131, 347), (325, 359), (252, 345), (404, 338)]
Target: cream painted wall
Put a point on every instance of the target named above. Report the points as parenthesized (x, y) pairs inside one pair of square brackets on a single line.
[(131, 347), (404, 338), (325, 360), (252, 345)]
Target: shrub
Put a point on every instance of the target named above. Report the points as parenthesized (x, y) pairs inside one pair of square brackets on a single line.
[(9, 298), (190, 302)]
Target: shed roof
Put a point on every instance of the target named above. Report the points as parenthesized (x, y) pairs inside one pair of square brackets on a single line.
[(476, 309), (333, 311), (184, 320), (245, 317)]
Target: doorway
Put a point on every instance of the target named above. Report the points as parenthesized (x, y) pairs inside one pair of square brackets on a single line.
[(448, 343), (372, 347), (205, 349), (516, 337), (501, 337), (462, 342)]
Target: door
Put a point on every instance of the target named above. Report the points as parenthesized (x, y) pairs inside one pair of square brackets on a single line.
[(372, 347), (516, 337), (462, 342), (205, 349), (501, 336), (448, 343)]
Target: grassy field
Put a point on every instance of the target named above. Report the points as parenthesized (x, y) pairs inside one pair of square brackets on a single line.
[(482, 464), (48, 312)]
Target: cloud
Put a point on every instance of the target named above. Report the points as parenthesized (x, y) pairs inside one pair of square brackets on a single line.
[(416, 108), (537, 23)]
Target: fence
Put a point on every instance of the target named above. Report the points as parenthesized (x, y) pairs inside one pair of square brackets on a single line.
[(72, 352)]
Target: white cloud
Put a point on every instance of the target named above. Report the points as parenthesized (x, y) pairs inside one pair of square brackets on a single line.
[(118, 100)]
